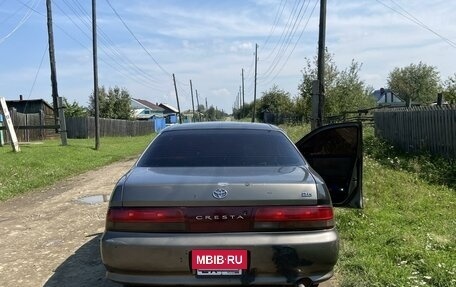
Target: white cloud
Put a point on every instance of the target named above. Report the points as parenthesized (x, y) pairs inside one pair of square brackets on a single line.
[(210, 41)]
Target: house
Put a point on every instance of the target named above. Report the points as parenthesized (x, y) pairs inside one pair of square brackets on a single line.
[(385, 97), (145, 110), (171, 113), (30, 106), (35, 112), (169, 109)]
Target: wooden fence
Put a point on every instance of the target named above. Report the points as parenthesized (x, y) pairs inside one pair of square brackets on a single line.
[(28, 135), (431, 129), (85, 127)]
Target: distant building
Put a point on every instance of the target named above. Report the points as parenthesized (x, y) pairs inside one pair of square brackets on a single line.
[(33, 106), (144, 110), (387, 97), (35, 112), (171, 113), (169, 109)]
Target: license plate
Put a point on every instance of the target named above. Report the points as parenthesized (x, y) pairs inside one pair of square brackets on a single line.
[(209, 262), (219, 272)]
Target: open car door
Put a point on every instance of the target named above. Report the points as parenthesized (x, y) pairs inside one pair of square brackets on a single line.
[(335, 152)]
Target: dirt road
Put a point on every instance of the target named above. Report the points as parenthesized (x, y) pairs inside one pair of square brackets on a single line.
[(51, 238)]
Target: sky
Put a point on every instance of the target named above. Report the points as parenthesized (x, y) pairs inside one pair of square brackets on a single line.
[(142, 43)]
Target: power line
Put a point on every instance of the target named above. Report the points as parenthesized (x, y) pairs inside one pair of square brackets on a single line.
[(108, 44), (284, 31), (19, 24), (276, 20), (11, 15), (296, 43), (115, 68), (137, 40), (126, 75), (38, 71), (415, 20), (286, 43)]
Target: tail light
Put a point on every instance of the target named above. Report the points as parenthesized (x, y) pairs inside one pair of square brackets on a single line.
[(294, 218), (146, 219), (157, 215), (219, 219)]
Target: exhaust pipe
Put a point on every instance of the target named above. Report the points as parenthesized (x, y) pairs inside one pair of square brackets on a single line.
[(306, 282)]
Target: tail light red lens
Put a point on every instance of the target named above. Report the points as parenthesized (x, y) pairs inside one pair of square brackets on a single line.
[(294, 213), (219, 219), (153, 215), (294, 217)]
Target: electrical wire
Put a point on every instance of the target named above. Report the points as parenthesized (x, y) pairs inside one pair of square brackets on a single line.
[(137, 40), (19, 24), (294, 47), (108, 45), (285, 31), (413, 19), (276, 21), (38, 71), (11, 15), (284, 47)]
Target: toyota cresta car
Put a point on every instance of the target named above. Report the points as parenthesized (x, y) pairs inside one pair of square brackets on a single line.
[(227, 203)]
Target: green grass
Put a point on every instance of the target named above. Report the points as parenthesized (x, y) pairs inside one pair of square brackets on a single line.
[(296, 132), (39, 165), (406, 234)]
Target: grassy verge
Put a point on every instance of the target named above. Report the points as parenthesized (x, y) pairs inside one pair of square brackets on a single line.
[(406, 234), (39, 165)]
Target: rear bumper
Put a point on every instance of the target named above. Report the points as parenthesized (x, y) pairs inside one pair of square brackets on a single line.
[(274, 258)]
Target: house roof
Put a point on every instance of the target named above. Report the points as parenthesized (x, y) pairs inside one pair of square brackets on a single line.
[(149, 105), (169, 107), (16, 103), (378, 96)]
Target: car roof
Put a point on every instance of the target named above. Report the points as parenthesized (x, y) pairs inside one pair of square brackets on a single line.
[(221, 125)]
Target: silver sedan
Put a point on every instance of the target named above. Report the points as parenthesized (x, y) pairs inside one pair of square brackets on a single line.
[(233, 204)]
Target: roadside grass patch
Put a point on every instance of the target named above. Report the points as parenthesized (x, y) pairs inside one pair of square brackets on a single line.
[(296, 132), (39, 165), (406, 233)]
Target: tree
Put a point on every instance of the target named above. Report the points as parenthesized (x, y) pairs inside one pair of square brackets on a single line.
[(303, 103), (74, 110), (349, 93), (275, 101), (449, 89), (418, 83), (213, 114), (113, 104), (244, 112), (344, 90)]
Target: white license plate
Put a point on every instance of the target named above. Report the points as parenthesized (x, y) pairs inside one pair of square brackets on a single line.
[(219, 272)]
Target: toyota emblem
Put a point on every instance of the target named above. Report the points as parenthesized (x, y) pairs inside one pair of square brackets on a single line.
[(220, 193)]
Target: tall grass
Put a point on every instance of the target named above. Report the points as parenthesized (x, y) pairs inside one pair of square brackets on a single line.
[(406, 234)]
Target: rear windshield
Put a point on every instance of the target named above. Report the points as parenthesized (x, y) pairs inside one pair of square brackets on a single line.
[(220, 148)]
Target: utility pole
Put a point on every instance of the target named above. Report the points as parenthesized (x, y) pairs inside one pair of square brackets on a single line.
[(193, 104), (95, 75), (240, 97), (63, 129), (243, 99), (198, 105), (206, 103), (55, 93), (177, 99), (321, 63), (255, 86)]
